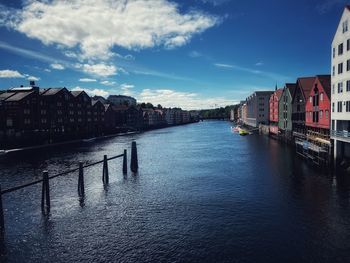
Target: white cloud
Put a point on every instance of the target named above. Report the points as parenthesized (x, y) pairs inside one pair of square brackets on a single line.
[(100, 69), (131, 24), (87, 80), (220, 65), (93, 92), (57, 66), (7, 73), (127, 89), (260, 63), (47, 70), (195, 54), (108, 83), (33, 78), (270, 75), (184, 100), (129, 57)]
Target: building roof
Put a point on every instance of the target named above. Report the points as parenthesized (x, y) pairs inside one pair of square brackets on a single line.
[(76, 93), (19, 96), (325, 81), (291, 87), (305, 84), (5, 95), (278, 93), (50, 91)]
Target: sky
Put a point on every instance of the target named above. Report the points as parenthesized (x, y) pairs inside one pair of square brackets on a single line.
[(192, 54)]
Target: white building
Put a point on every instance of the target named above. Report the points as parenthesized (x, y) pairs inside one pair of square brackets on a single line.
[(340, 97)]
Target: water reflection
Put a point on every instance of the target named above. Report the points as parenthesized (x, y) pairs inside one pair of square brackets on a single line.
[(201, 194)]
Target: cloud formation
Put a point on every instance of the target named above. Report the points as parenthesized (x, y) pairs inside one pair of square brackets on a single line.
[(57, 66), (184, 100), (131, 24), (87, 80), (8, 73), (100, 69), (93, 92)]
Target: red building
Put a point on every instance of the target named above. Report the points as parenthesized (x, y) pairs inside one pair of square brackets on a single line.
[(318, 107), (274, 99)]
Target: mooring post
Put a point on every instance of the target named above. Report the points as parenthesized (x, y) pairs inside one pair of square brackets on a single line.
[(45, 193), (105, 176), (2, 222), (134, 166), (81, 187), (125, 163)]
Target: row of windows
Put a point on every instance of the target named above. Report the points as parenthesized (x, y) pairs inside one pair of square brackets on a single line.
[(340, 67), (341, 46), (318, 115), (340, 106), (340, 87)]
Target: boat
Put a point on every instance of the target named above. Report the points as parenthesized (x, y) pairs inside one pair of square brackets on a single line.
[(243, 132), (235, 129)]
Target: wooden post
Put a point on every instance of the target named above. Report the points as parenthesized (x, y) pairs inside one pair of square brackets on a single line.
[(45, 193), (134, 166), (125, 163), (105, 176), (2, 222), (81, 187)]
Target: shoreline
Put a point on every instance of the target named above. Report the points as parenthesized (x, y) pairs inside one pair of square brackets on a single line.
[(6, 152)]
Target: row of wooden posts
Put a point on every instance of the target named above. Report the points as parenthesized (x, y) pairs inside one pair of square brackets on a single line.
[(45, 192)]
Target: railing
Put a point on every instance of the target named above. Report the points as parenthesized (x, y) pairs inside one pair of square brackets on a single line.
[(341, 134), (45, 192)]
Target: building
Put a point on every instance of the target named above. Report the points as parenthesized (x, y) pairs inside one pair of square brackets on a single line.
[(122, 100), (318, 119), (274, 105), (258, 108), (83, 112), (340, 81), (186, 118), (285, 125), (169, 116), (302, 92)]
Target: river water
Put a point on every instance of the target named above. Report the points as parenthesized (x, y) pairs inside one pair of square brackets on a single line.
[(202, 194)]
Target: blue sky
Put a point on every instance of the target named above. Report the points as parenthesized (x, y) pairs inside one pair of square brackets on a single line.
[(192, 54)]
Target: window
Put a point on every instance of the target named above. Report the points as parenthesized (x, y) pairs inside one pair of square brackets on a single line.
[(347, 106), (43, 112), (26, 111), (310, 99), (348, 44), (321, 96), (340, 49), (333, 89), (327, 114), (321, 114), (26, 121), (348, 65), (333, 52), (340, 106), (348, 85), (340, 68), (333, 107), (345, 26), (340, 87), (9, 122), (333, 71), (59, 104), (43, 121)]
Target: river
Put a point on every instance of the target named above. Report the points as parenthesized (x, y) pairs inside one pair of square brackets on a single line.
[(202, 194)]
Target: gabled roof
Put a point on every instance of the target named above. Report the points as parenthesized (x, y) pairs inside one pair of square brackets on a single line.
[(95, 102), (291, 88), (19, 96), (76, 93), (305, 85), (278, 93), (5, 95), (325, 81), (50, 91)]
